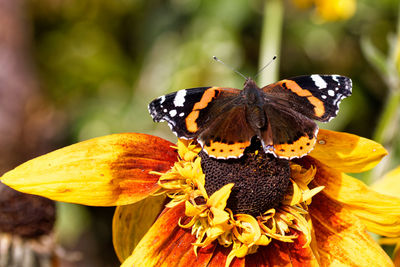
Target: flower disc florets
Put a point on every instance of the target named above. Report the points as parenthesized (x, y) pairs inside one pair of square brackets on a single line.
[(261, 180)]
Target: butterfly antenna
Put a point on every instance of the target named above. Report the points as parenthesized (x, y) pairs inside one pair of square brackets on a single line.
[(266, 65), (220, 61)]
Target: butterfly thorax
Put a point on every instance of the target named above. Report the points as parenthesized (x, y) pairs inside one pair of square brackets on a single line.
[(255, 114)]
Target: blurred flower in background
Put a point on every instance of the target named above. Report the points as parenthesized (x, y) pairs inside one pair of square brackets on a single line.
[(330, 10)]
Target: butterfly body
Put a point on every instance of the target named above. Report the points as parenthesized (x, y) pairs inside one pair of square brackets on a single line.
[(281, 115)]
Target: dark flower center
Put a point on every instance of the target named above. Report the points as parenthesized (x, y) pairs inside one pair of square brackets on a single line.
[(260, 179)]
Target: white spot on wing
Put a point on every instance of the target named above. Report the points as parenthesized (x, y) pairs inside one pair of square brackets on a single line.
[(319, 81), (336, 78), (331, 92), (172, 113), (179, 99), (181, 114), (162, 99)]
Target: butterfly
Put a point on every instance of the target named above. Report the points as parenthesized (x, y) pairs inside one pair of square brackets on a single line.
[(282, 115)]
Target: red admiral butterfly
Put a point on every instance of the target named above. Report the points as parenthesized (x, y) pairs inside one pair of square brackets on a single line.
[(281, 115)]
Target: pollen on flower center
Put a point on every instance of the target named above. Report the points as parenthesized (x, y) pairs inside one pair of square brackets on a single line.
[(260, 180)]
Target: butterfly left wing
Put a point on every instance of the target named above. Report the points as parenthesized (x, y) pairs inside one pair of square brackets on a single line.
[(190, 111), (315, 96), (228, 134)]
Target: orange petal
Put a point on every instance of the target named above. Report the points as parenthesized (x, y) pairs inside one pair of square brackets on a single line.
[(104, 171), (167, 244), (397, 258), (379, 213), (131, 222), (347, 152), (342, 238)]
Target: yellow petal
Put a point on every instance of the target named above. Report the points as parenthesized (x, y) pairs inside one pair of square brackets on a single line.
[(389, 184), (219, 216), (129, 262), (380, 213), (187, 149), (341, 236), (131, 222), (104, 171), (347, 152), (219, 198), (250, 230), (191, 210)]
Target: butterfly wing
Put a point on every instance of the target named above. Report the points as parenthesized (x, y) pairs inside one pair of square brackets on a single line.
[(315, 96), (289, 134), (175, 107), (188, 112), (228, 135)]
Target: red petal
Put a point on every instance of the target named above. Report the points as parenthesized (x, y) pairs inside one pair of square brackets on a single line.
[(220, 255), (168, 244), (279, 253)]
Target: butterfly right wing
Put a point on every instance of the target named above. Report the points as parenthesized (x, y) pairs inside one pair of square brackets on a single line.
[(289, 134), (315, 96)]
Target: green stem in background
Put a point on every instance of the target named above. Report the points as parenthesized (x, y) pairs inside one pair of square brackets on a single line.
[(271, 41), (390, 73), (388, 123), (387, 118)]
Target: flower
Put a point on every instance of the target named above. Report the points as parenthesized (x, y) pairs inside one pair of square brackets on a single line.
[(330, 10), (141, 173)]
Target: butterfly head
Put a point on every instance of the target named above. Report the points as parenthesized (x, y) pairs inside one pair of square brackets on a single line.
[(250, 83)]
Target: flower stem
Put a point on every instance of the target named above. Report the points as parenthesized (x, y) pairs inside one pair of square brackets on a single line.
[(271, 40), (388, 118), (389, 121)]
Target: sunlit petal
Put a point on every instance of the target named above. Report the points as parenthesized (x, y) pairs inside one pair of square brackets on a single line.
[(389, 184), (347, 152), (131, 222), (341, 237), (104, 171), (380, 213), (219, 198)]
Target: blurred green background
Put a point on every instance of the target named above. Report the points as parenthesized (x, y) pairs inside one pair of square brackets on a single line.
[(98, 63)]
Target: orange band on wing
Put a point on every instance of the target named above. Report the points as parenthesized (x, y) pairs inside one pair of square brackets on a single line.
[(223, 150), (299, 148), (191, 124), (319, 109)]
